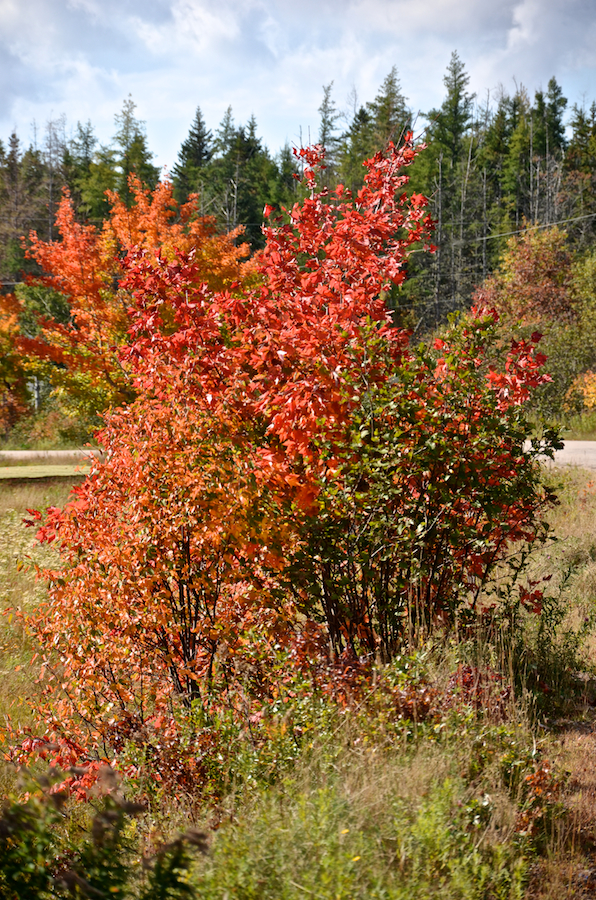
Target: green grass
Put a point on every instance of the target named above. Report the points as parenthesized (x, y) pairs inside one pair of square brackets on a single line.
[(20, 590), (580, 427), (370, 822)]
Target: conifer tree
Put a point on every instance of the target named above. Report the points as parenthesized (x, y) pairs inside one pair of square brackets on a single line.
[(133, 155), (22, 204), (355, 147), (386, 118), (389, 113), (328, 133), (450, 123), (556, 104), (102, 176), (445, 173), (77, 159), (194, 154), (54, 175), (579, 180), (239, 179)]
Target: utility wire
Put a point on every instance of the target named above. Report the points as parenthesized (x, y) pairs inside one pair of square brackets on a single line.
[(529, 228)]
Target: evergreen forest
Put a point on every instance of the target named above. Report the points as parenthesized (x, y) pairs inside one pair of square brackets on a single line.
[(492, 166)]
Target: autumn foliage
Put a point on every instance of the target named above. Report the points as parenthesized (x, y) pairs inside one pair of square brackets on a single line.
[(294, 479), (13, 401), (533, 283), (82, 357)]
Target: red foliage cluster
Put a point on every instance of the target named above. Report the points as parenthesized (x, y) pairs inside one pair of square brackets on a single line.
[(483, 689), (541, 793)]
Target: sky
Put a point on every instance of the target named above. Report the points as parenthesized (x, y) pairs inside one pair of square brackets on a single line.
[(271, 58)]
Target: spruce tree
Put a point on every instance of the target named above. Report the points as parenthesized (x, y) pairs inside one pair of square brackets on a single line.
[(194, 154), (581, 152), (556, 104), (328, 134), (239, 179), (133, 155), (224, 136), (23, 206), (102, 175), (451, 122), (389, 113), (384, 119), (356, 145)]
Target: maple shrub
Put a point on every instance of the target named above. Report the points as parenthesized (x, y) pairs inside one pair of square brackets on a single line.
[(294, 477)]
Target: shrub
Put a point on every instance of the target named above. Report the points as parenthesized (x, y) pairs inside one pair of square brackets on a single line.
[(42, 857), (292, 476)]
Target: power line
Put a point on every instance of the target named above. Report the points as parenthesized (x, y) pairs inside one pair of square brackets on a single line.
[(529, 228)]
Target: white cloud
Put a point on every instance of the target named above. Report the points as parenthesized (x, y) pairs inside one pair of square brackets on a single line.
[(523, 31), (91, 7), (197, 23)]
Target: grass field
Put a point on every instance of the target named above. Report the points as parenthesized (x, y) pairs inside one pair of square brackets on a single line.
[(24, 471), (19, 588)]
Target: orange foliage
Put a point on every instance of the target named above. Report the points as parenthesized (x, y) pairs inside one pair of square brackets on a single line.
[(87, 266), (585, 385), (12, 379), (293, 478)]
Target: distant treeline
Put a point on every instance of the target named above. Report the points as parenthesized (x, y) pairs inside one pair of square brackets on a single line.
[(490, 169)]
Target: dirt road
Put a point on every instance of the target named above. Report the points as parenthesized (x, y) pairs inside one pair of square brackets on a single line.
[(574, 453), (577, 453)]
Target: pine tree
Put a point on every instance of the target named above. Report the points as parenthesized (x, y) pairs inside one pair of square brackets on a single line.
[(389, 113), (194, 154), (328, 134), (133, 155)]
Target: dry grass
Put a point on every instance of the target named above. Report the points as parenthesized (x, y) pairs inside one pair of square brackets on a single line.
[(574, 524), (569, 868), (20, 590), (575, 516)]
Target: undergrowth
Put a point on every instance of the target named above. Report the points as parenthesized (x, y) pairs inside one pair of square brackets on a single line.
[(449, 772)]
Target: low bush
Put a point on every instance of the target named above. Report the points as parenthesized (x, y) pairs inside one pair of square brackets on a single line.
[(42, 856)]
